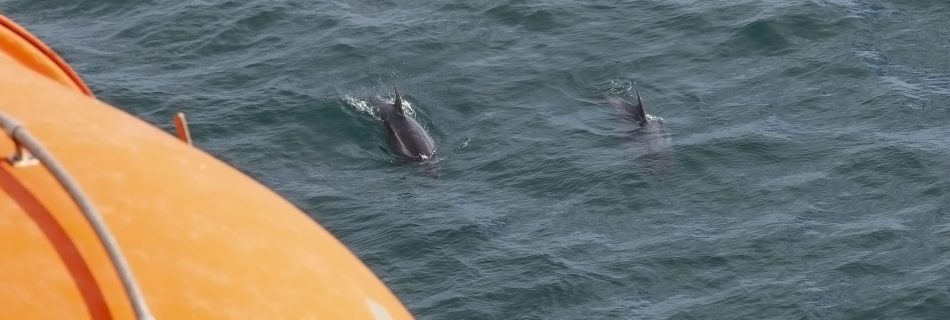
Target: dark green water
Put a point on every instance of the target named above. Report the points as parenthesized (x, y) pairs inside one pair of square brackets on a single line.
[(802, 172)]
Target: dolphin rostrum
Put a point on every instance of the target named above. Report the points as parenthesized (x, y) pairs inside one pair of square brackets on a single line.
[(406, 137)]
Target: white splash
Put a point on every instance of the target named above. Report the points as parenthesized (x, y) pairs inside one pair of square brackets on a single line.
[(368, 105), (361, 105), (651, 117)]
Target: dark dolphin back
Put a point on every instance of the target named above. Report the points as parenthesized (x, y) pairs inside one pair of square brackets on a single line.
[(406, 137)]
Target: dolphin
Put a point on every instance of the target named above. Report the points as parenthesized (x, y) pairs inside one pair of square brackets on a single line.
[(406, 137), (654, 143), (636, 112)]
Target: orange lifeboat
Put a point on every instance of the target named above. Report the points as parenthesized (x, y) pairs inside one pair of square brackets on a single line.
[(196, 238)]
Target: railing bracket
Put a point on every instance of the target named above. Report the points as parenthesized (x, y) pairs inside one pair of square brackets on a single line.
[(181, 128), (22, 157)]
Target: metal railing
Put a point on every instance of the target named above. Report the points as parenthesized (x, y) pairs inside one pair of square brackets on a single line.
[(28, 151)]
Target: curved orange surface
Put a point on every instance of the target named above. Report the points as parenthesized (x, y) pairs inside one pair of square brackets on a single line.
[(203, 240), (20, 45)]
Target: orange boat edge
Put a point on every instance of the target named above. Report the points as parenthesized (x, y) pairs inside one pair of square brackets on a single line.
[(202, 239)]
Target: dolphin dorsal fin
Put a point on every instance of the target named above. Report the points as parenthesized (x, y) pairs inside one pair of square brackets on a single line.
[(641, 113), (398, 102)]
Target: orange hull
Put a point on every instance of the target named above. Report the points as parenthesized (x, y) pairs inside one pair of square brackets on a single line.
[(203, 240)]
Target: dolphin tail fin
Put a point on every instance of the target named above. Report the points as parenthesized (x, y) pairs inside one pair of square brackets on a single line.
[(641, 113), (398, 102)]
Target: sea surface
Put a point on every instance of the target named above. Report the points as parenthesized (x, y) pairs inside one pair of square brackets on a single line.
[(801, 169)]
